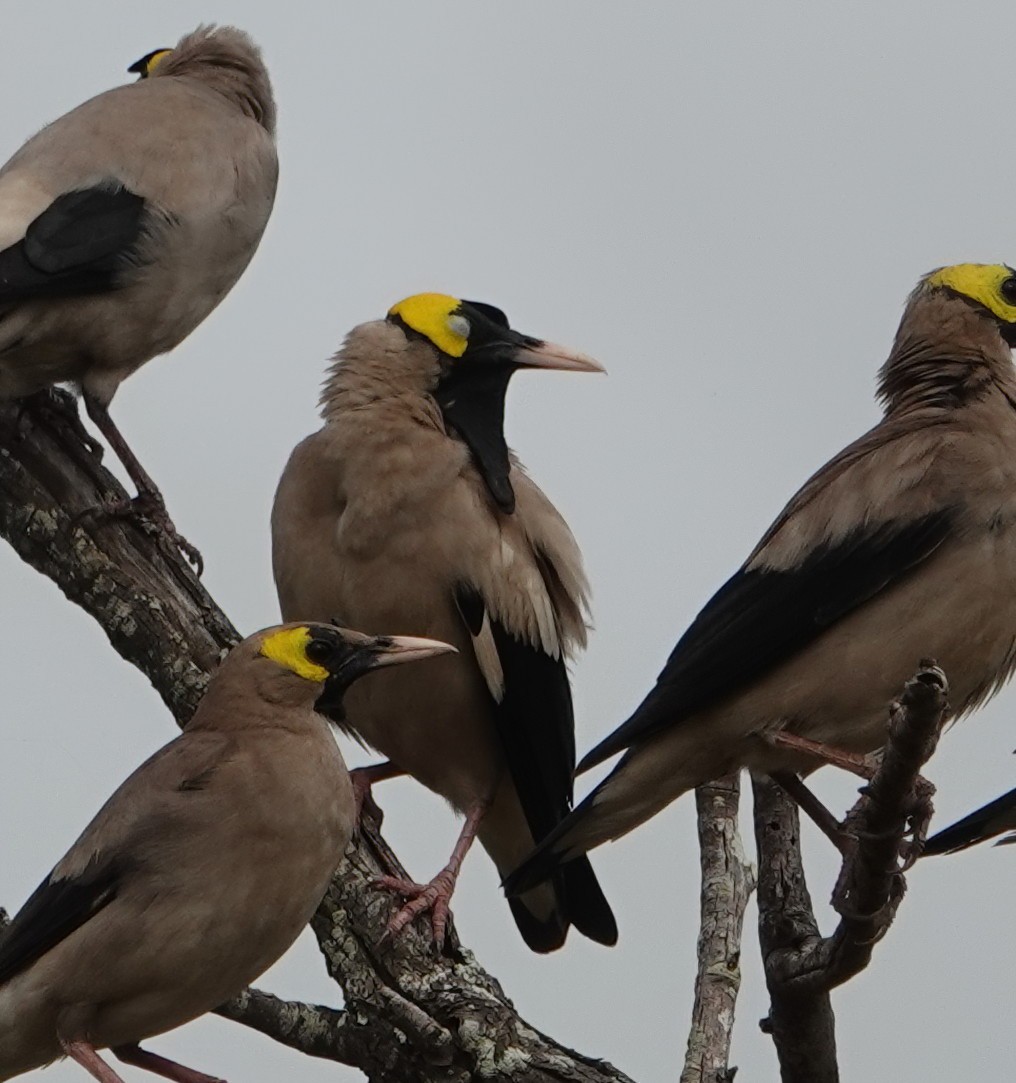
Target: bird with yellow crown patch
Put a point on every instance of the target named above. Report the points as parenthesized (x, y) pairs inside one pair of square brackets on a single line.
[(902, 547), (201, 869), (408, 507)]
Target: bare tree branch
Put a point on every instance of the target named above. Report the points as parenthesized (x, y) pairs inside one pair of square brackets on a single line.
[(802, 966), (411, 1016), (309, 1028), (803, 1027), (727, 883)]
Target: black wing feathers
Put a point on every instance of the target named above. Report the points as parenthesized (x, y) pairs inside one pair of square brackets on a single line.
[(470, 605), (536, 726), (79, 245), (54, 910), (760, 618), (983, 824)]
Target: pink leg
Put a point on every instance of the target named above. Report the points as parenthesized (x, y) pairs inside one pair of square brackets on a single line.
[(168, 1069), (363, 778), (435, 896), (862, 766), (149, 501), (85, 1055), (826, 822)]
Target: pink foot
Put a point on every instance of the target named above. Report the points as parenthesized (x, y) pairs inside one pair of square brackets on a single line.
[(151, 506), (434, 897)]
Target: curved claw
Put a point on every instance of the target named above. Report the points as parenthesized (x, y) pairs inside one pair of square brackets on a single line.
[(153, 508), (434, 897), (150, 506)]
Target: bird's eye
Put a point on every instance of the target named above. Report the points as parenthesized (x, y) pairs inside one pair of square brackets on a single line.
[(459, 325), (1008, 289), (319, 651)]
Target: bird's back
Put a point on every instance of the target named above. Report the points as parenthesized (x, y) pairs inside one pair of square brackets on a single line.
[(208, 820), (207, 174)]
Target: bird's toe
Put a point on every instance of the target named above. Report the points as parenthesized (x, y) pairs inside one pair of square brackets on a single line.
[(433, 898)]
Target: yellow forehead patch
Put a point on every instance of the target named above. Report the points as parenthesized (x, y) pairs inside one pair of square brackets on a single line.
[(289, 649), (148, 63), (156, 59), (980, 282), (433, 316)]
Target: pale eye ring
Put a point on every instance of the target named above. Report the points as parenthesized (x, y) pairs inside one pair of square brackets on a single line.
[(1008, 289), (459, 325)]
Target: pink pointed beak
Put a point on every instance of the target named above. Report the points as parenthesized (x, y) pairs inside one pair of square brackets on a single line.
[(548, 355), (393, 650)]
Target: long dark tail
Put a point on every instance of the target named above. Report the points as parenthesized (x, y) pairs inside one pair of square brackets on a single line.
[(566, 896), (585, 904), (554, 854), (985, 823), (579, 901)]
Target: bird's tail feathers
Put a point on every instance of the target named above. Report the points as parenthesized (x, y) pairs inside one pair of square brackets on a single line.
[(585, 904), (995, 818), (568, 841), (545, 909), (638, 787), (540, 934)]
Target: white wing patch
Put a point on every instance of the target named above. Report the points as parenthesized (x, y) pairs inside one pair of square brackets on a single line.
[(490, 662)]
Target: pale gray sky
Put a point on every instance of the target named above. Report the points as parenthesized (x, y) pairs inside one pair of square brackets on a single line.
[(725, 203)]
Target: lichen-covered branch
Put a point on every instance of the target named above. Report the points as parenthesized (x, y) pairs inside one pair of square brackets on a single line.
[(727, 883), (802, 966), (410, 1016), (310, 1028)]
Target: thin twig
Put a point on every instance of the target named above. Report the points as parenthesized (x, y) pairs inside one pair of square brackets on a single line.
[(727, 883)]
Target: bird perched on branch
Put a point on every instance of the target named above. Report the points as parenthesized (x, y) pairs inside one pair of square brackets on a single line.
[(127, 220), (408, 506), (996, 818), (201, 869), (900, 548)]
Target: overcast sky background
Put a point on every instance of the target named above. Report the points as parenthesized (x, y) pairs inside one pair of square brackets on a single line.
[(725, 203)]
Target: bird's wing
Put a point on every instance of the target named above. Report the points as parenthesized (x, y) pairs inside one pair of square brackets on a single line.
[(524, 609), (532, 707), (80, 244), (995, 818), (57, 907), (139, 818), (849, 534)]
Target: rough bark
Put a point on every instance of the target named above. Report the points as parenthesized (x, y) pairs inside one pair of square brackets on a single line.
[(409, 1015), (802, 1027), (727, 883), (801, 965)]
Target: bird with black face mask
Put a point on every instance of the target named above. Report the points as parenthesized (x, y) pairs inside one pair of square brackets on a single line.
[(408, 507), (902, 547), (201, 869)]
